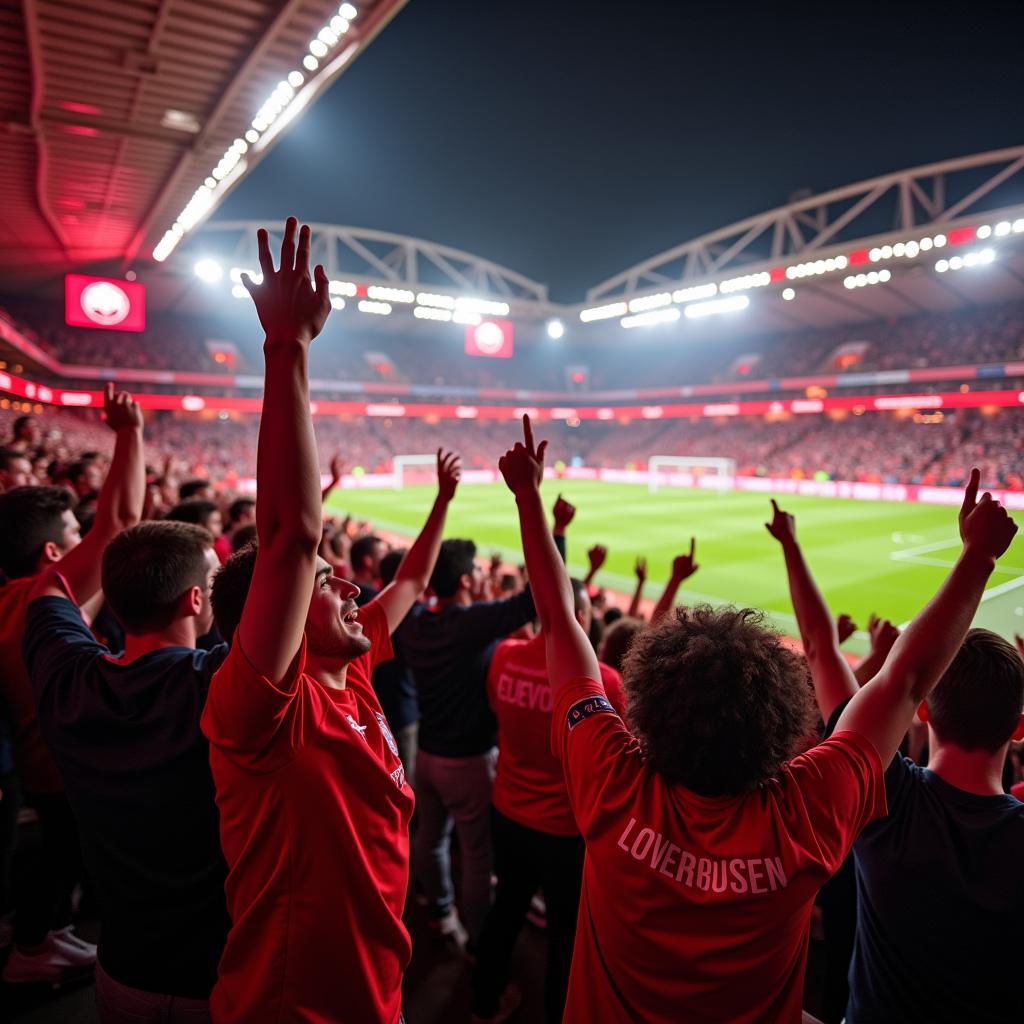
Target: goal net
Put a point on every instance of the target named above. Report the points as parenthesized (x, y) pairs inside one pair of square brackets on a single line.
[(407, 470), (687, 471)]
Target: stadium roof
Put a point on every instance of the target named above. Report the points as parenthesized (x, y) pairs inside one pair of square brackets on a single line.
[(123, 118)]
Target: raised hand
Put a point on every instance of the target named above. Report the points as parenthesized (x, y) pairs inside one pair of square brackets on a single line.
[(563, 513), (120, 411), (883, 635), (846, 627), (596, 556), (522, 466), (337, 468), (684, 566), (783, 525), (640, 569), (291, 306), (449, 473), (985, 526)]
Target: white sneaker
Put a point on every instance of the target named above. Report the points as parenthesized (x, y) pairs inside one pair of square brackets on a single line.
[(507, 1005), (73, 944), (53, 965)]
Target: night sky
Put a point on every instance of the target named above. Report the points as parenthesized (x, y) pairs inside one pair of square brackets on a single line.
[(568, 141)]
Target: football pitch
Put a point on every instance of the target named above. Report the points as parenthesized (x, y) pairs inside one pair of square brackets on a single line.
[(880, 557)]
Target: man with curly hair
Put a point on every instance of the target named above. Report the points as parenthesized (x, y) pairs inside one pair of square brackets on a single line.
[(707, 834)]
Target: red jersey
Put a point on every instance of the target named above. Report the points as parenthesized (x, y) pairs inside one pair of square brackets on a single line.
[(314, 822), (698, 908), (35, 766), (529, 786)]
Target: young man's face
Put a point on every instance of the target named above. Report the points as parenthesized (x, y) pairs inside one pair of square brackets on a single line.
[(71, 532), (205, 623), (214, 523), (29, 432), (90, 481), (331, 629), (17, 474)]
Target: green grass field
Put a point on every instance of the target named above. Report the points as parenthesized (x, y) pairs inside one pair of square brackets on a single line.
[(867, 556)]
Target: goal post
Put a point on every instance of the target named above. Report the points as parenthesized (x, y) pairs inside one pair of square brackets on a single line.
[(402, 464), (680, 470)]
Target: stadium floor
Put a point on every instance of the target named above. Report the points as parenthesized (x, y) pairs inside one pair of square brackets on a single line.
[(880, 557)]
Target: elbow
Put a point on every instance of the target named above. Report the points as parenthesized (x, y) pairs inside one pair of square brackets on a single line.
[(298, 533)]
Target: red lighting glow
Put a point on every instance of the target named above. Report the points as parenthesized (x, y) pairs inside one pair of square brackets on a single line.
[(105, 303), (492, 338), (961, 236)]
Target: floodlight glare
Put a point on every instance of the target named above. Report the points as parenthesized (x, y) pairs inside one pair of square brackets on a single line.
[(209, 271), (555, 329)]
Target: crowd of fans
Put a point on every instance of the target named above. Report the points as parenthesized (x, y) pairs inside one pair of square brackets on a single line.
[(934, 448), (224, 710)]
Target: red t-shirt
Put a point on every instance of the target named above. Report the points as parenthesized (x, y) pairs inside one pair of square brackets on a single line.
[(698, 908), (529, 786), (35, 766), (314, 822)]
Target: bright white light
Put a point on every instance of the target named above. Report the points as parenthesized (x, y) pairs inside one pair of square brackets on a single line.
[(651, 317), (729, 305), (555, 329), (984, 231), (939, 241), (875, 255), (488, 306), (926, 244), (210, 183), (429, 313), (339, 25), (347, 11), (942, 266), (1003, 228), (489, 336), (296, 78), (700, 291), (390, 294), (466, 316), (209, 271), (886, 252), (430, 299), (252, 135), (310, 63), (317, 48), (884, 275), (341, 288), (850, 282), (899, 249), (956, 263), (841, 262), (337, 302), (237, 272), (377, 308), (912, 249), (645, 302), (327, 35), (873, 277), (603, 312), (259, 124), (791, 272), (1018, 225), (987, 255), (788, 294)]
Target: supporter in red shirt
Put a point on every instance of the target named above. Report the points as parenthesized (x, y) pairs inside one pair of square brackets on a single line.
[(314, 803), (706, 838)]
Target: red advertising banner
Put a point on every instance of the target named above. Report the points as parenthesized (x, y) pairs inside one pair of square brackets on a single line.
[(104, 303)]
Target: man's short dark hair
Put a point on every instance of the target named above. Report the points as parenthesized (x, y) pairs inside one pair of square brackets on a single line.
[(978, 701), (29, 517), (242, 535), (78, 469), (612, 615), (196, 511), (362, 547), (148, 568), (616, 639), (190, 488), (231, 588), (454, 561), (389, 565), (238, 508), (20, 422), (718, 702)]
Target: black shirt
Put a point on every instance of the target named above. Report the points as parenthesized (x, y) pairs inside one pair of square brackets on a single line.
[(394, 686), (127, 742), (940, 904), (448, 653)]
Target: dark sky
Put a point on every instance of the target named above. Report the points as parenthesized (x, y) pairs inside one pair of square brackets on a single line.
[(568, 141)]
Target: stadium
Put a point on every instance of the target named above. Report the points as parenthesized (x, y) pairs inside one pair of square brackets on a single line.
[(852, 353)]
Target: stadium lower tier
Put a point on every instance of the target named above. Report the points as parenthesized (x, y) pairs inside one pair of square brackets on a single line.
[(935, 448)]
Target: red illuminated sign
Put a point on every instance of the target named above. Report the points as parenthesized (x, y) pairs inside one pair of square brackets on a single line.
[(105, 303), (492, 338)]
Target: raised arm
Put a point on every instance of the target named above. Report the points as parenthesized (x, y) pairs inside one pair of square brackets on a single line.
[(596, 556), (683, 567), (337, 468), (641, 578), (883, 635), (834, 681), (120, 504), (292, 310), (413, 574), (883, 709), (568, 650)]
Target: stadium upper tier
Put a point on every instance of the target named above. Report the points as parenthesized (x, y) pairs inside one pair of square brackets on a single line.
[(926, 347)]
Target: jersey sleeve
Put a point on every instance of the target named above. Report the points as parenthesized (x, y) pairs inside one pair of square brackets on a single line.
[(838, 787), (252, 720), (612, 683), (600, 759), (55, 643)]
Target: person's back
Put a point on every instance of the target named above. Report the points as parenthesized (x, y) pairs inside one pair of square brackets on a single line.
[(940, 890)]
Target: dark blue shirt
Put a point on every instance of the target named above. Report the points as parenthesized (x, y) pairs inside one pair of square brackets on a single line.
[(940, 887), (127, 742), (448, 653)]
